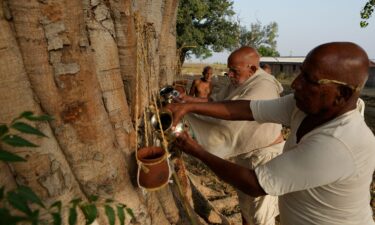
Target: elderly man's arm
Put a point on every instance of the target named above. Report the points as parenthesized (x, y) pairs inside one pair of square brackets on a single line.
[(226, 110), (190, 99), (193, 88), (238, 176), (184, 98)]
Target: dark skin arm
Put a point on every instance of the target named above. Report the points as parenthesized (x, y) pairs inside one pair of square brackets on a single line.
[(226, 110), (190, 99), (184, 98), (193, 88), (240, 177)]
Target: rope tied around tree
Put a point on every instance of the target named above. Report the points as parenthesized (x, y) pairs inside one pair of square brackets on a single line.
[(145, 33)]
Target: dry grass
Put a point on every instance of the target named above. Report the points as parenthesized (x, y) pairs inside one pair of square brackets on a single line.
[(197, 68)]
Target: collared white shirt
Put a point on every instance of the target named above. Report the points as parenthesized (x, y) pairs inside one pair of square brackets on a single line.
[(326, 177)]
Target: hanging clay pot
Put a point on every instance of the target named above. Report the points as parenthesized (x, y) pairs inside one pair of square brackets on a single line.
[(153, 167)]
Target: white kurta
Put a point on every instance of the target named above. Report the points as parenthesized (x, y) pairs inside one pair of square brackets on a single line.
[(230, 138), (244, 142)]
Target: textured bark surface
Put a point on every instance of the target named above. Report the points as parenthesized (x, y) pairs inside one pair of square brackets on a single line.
[(93, 65)]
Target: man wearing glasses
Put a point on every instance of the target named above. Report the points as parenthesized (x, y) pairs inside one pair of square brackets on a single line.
[(325, 171), (246, 143)]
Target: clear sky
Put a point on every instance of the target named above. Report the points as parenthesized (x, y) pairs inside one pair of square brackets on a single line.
[(305, 24)]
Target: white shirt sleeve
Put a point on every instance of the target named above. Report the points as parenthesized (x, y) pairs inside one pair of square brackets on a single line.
[(318, 160), (274, 111)]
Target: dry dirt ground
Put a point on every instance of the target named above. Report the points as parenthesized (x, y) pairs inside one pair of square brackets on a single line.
[(223, 197)]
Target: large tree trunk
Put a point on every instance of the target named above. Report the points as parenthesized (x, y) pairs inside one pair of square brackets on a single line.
[(93, 65)]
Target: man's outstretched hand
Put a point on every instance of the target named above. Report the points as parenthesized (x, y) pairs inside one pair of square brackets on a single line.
[(181, 98), (178, 111), (185, 143)]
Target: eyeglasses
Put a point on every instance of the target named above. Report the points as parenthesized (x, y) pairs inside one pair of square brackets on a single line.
[(328, 81), (304, 75)]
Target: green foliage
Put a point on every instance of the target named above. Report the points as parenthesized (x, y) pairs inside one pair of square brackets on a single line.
[(72, 216), (16, 140), (366, 12), (28, 194), (22, 199), (3, 129), (1, 193), (73, 211), (10, 157), (121, 214), (31, 117), (204, 26), (90, 211), (263, 38), (17, 202), (27, 204), (26, 128), (110, 213), (93, 198), (56, 218), (268, 51), (7, 219), (130, 212), (57, 205)]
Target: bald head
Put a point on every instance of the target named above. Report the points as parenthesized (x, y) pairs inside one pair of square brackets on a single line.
[(242, 64), (245, 55), (343, 61), (330, 79)]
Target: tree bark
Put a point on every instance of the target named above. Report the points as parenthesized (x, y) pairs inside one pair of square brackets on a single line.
[(94, 66)]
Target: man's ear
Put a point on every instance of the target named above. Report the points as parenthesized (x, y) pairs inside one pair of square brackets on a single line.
[(345, 93), (253, 69)]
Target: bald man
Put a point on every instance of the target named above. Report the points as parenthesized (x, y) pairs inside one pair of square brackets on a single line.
[(325, 171), (202, 87), (246, 143)]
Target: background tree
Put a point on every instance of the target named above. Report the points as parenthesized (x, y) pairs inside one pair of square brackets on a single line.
[(366, 12), (204, 26), (260, 37)]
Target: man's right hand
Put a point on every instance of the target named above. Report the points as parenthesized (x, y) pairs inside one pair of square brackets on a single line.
[(185, 143), (178, 111), (182, 95)]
